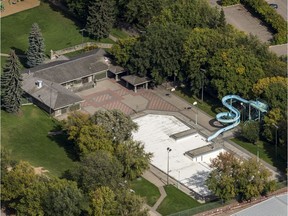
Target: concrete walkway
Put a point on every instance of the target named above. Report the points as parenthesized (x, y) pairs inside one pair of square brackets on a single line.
[(151, 177)]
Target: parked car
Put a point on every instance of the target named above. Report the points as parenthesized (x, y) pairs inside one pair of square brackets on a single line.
[(273, 5)]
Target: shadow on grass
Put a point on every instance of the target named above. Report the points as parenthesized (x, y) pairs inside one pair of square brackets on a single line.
[(21, 55), (61, 138), (65, 12), (280, 162)]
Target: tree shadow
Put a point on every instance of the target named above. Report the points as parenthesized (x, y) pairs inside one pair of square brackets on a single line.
[(61, 138), (216, 124), (21, 55), (63, 10), (198, 181)]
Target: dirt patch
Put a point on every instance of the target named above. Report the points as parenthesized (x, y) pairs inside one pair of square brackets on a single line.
[(40, 170), (15, 6)]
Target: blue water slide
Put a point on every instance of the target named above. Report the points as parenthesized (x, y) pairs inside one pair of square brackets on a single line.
[(232, 117)]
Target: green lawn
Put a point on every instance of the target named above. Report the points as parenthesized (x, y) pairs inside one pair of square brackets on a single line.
[(26, 135), (176, 201), (58, 31), (146, 189), (266, 152), (119, 34), (209, 105)]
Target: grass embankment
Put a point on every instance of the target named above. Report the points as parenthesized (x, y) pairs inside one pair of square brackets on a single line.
[(176, 201), (267, 152), (209, 105), (58, 31), (26, 135), (147, 190)]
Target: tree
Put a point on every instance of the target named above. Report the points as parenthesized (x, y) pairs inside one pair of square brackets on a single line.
[(78, 8), (92, 138), (118, 125), (122, 50), (251, 131), (6, 161), (233, 177), (11, 82), (189, 14), (98, 169), (36, 49), (74, 123), (101, 18), (22, 189), (234, 71), (130, 204), (221, 179), (158, 53), (102, 202), (253, 180), (139, 13), (132, 156), (63, 198), (222, 19)]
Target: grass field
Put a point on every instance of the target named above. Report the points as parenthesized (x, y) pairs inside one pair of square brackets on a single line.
[(176, 201), (266, 152), (145, 189), (209, 105), (26, 135), (58, 31)]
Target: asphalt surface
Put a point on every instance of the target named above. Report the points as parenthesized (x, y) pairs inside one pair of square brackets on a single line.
[(282, 7)]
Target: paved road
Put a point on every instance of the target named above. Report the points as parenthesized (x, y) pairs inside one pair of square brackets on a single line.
[(282, 7), (241, 18), (279, 49)]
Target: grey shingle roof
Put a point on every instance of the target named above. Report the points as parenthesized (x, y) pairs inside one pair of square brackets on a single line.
[(136, 80), (115, 69), (51, 94), (75, 68)]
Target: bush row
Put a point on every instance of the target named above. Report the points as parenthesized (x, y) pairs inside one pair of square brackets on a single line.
[(266, 14)]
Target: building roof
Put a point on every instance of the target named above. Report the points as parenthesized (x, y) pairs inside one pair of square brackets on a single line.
[(135, 80), (53, 74), (276, 206), (115, 69), (51, 94), (65, 71)]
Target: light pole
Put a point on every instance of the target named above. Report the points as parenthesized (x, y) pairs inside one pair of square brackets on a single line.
[(178, 179), (203, 78), (243, 111), (168, 151), (82, 30), (276, 140), (195, 104)]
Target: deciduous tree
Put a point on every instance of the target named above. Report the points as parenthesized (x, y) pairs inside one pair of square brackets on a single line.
[(118, 125), (36, 49), (233, 177), (98, 169), (11, 82), (134, 159), (251, 131), (102, 202), (63, 198)]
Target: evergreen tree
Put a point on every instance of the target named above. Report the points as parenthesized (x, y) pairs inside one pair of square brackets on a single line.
[(222, 19), (36, 50), (101, 18), (11, 82)]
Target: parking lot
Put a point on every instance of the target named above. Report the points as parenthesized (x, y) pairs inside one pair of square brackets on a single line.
[(239, 17)]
